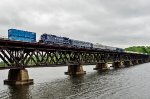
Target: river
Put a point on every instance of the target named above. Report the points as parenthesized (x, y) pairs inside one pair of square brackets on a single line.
[(51, 83)]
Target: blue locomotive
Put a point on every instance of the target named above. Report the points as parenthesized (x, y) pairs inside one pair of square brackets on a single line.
[(64, 41), (54, 40)]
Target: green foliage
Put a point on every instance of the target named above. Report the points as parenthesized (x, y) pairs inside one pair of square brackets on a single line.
[(2, 64), (140, 49)]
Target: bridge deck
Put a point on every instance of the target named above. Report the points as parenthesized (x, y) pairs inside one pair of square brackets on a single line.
[(17, 54)]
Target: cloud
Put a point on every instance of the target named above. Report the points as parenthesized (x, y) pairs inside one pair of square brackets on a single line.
[(115, 23)]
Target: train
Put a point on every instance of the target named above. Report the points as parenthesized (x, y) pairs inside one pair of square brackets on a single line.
[(50, 39)]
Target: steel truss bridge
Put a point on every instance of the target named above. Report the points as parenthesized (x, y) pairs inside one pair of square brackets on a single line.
[(24, 54), (17, 54)]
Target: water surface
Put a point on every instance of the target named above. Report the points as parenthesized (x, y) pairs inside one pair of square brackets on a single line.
[(51, 83)]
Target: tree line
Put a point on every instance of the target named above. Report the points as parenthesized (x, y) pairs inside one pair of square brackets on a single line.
[(140, 49)]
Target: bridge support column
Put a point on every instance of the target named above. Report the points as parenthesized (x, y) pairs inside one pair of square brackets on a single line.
[(128, 63), (75, 70), (140, 61), (18, 77), (101, 66), (145, 61), (118, 64), (135, 62)]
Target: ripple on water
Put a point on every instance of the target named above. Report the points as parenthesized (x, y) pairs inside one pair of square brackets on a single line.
[(51, 83)]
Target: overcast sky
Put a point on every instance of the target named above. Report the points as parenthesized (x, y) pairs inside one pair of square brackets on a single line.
[(120, 23)]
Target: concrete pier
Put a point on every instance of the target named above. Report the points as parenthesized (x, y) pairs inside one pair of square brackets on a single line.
[(135, 62), (140, 61), (117, 64), (128, 63), (18, 77), (75, 70), (145, 61), (101, 66)]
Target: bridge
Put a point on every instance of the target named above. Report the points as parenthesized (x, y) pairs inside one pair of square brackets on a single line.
[(17, 56)]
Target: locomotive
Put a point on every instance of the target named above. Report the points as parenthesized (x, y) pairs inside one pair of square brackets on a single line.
[(64, 41)]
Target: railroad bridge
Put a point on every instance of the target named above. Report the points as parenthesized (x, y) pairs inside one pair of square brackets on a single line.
[(17, 56)]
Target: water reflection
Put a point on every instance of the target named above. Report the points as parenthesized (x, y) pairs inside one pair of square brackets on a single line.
[(19, 92)]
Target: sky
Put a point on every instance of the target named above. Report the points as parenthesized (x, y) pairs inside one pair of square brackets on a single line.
[(120, 23)]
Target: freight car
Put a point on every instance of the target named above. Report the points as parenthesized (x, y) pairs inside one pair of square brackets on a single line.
[(107, 48), (20, 35), (81, 44), (120, 50), (99, 46), (111, 48)]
